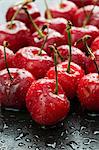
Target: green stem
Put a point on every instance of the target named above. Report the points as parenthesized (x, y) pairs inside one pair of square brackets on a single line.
[(45, 40), (33, 23), (88, 16), (49, 15), (5, 44), (56, 71), (70, 45)]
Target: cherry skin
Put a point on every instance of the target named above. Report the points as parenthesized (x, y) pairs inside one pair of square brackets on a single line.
[(78, 56), (29, 59), (17, 36), (58, 24), (45, 107), (90, 66), (80, 16), (13, 92), (65, 10), (95, 44), (22, 16), (88, 92), (9, 57), (68, 81), (83, 3), (53, 37), (78, 32)]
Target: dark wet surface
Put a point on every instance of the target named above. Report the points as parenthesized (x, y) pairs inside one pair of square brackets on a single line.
[(80, 131)]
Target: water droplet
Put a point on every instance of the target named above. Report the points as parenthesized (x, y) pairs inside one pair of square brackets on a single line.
[(19, 137), (73, 145), (30, 147), (21, 144), (53, 145), (3, 141), (28, 140), (96, 132), (5, 126), (86, 141), (37, 148)]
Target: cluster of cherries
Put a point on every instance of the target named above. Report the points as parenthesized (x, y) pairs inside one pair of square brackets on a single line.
[(46, 62)]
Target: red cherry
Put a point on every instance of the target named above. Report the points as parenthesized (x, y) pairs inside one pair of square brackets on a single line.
[(68, 81), (88, 91), (90, 66), (65, 10), (33, 11), (80, 16), (44, 105), (53, 37), (82, 3), (13, 92), (40, 21), (16, 34), (95, 44), (78, 56), (79, 32), (9, 55), (29, 58)]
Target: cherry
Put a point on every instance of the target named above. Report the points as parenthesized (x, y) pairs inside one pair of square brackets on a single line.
[(21, 15), (13, 91), (87, 16), (82, 3), (78, 56), (88, 92), (95, 44), (45, 107), (78, 32), (46, 101), (90, 66), (9, 57), (65, 10), (34, 60), (53, 37), (16, 34)]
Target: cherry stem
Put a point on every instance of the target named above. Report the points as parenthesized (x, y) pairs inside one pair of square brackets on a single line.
[(5, 44), (33, 23), (88, 16), (68, 30), (56, 71), (92, 56), (45, 39), (49, 15)]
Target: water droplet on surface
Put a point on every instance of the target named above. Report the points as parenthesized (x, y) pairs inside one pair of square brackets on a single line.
[(19, 137), (3, 141), (5, 126), (21, 144), (53, 145), (28, 140), (96, 132), (30, 147), (86, 141), (73, 145)]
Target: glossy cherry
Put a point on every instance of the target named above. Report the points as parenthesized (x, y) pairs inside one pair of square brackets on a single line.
[(30, 59), (53, 37), (45, 107), (78, 32), (78, 56), (88, 92), (65, 10), (13, 92), (68, 81), (82, 3), (95, 44), (80, 18), (16, 34), (21, 16)]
